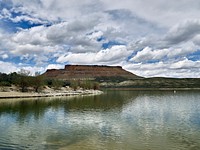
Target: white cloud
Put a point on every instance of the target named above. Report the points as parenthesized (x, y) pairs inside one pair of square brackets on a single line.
[(5, 13), (164, 13), (169, 12), (95, 35), (54, 66), (48, 38), (56, 10), (185, 64), (107, 56), (183, 32), (149, 54), (7, 67), (159, 31), (4, 56), (180, 69), (33, 69), (26, 18)]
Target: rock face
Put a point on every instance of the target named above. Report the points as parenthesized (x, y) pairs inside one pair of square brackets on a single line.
[(89, 72)]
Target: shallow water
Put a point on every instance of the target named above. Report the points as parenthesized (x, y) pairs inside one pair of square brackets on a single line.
[(119, 120)]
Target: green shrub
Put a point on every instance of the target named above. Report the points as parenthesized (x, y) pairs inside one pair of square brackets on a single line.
[(5, 83)]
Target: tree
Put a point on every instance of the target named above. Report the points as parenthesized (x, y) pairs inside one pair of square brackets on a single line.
[(54, 83), (4, 80), (74, 85), (14, 78), (24, 79), (37, 83), (24, 72), (96, 86), (57, 84)]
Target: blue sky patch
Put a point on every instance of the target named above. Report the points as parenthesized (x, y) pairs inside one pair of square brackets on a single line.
[(194, 56), (101, 39), (10, 26), (110, 44), (5, 4), (15, 60)]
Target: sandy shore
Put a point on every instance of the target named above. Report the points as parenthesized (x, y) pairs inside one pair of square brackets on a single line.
[(14, 94)]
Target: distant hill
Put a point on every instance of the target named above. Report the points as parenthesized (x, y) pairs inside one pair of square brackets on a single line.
[(117, 77), (90, 72), (156, 83)]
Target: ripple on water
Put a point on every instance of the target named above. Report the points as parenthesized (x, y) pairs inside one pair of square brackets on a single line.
[(6, 144), (147, 120)]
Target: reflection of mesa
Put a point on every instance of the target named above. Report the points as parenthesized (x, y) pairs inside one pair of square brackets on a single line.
[(89, 72)]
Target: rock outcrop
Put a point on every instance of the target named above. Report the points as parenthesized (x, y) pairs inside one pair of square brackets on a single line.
[(89, 72)]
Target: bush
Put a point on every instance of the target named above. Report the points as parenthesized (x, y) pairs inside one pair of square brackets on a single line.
[(85, 84), (54, 83), (37, 83), (96, 86), (74, 84), (5, 83)]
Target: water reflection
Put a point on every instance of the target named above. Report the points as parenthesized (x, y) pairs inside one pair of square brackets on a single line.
[(165, 115), (37, 107), (114, 120)]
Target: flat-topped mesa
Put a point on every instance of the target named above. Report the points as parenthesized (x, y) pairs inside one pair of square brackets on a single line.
[(89, 72), (83, 67)]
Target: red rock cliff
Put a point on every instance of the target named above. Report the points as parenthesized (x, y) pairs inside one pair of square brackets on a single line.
[(88, 71)]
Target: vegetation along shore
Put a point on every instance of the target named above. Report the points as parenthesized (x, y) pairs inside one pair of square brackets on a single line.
[(84, 79), (22, 85)]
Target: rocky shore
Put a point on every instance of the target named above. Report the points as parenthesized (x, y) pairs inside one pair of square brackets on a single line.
[(47, 92)]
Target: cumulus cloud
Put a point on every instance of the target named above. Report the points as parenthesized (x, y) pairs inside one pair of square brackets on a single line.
[(59, 34), (183, 32), (107, 56), (8, 67), (56, 10), (143, 35), (179, 69), (54, 66), (33, 69), (8, 14), (150, 54), (43, 40), (164, 13), (169, 12), (4, 56), (185, 64)]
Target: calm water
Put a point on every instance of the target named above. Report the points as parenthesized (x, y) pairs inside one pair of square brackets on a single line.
[(116, 120)]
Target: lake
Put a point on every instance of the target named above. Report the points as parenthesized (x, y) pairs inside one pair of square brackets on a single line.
[(115, 120)]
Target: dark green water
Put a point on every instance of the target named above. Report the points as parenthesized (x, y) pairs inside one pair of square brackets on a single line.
[(116, 120)]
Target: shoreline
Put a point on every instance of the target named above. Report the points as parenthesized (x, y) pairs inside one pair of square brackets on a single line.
[(18, 95), (154, 89), (67, 93)]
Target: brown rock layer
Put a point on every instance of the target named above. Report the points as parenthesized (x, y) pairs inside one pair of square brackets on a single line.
[(88, 72)]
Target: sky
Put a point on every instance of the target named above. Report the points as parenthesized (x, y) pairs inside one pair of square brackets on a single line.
[(156, 38)]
